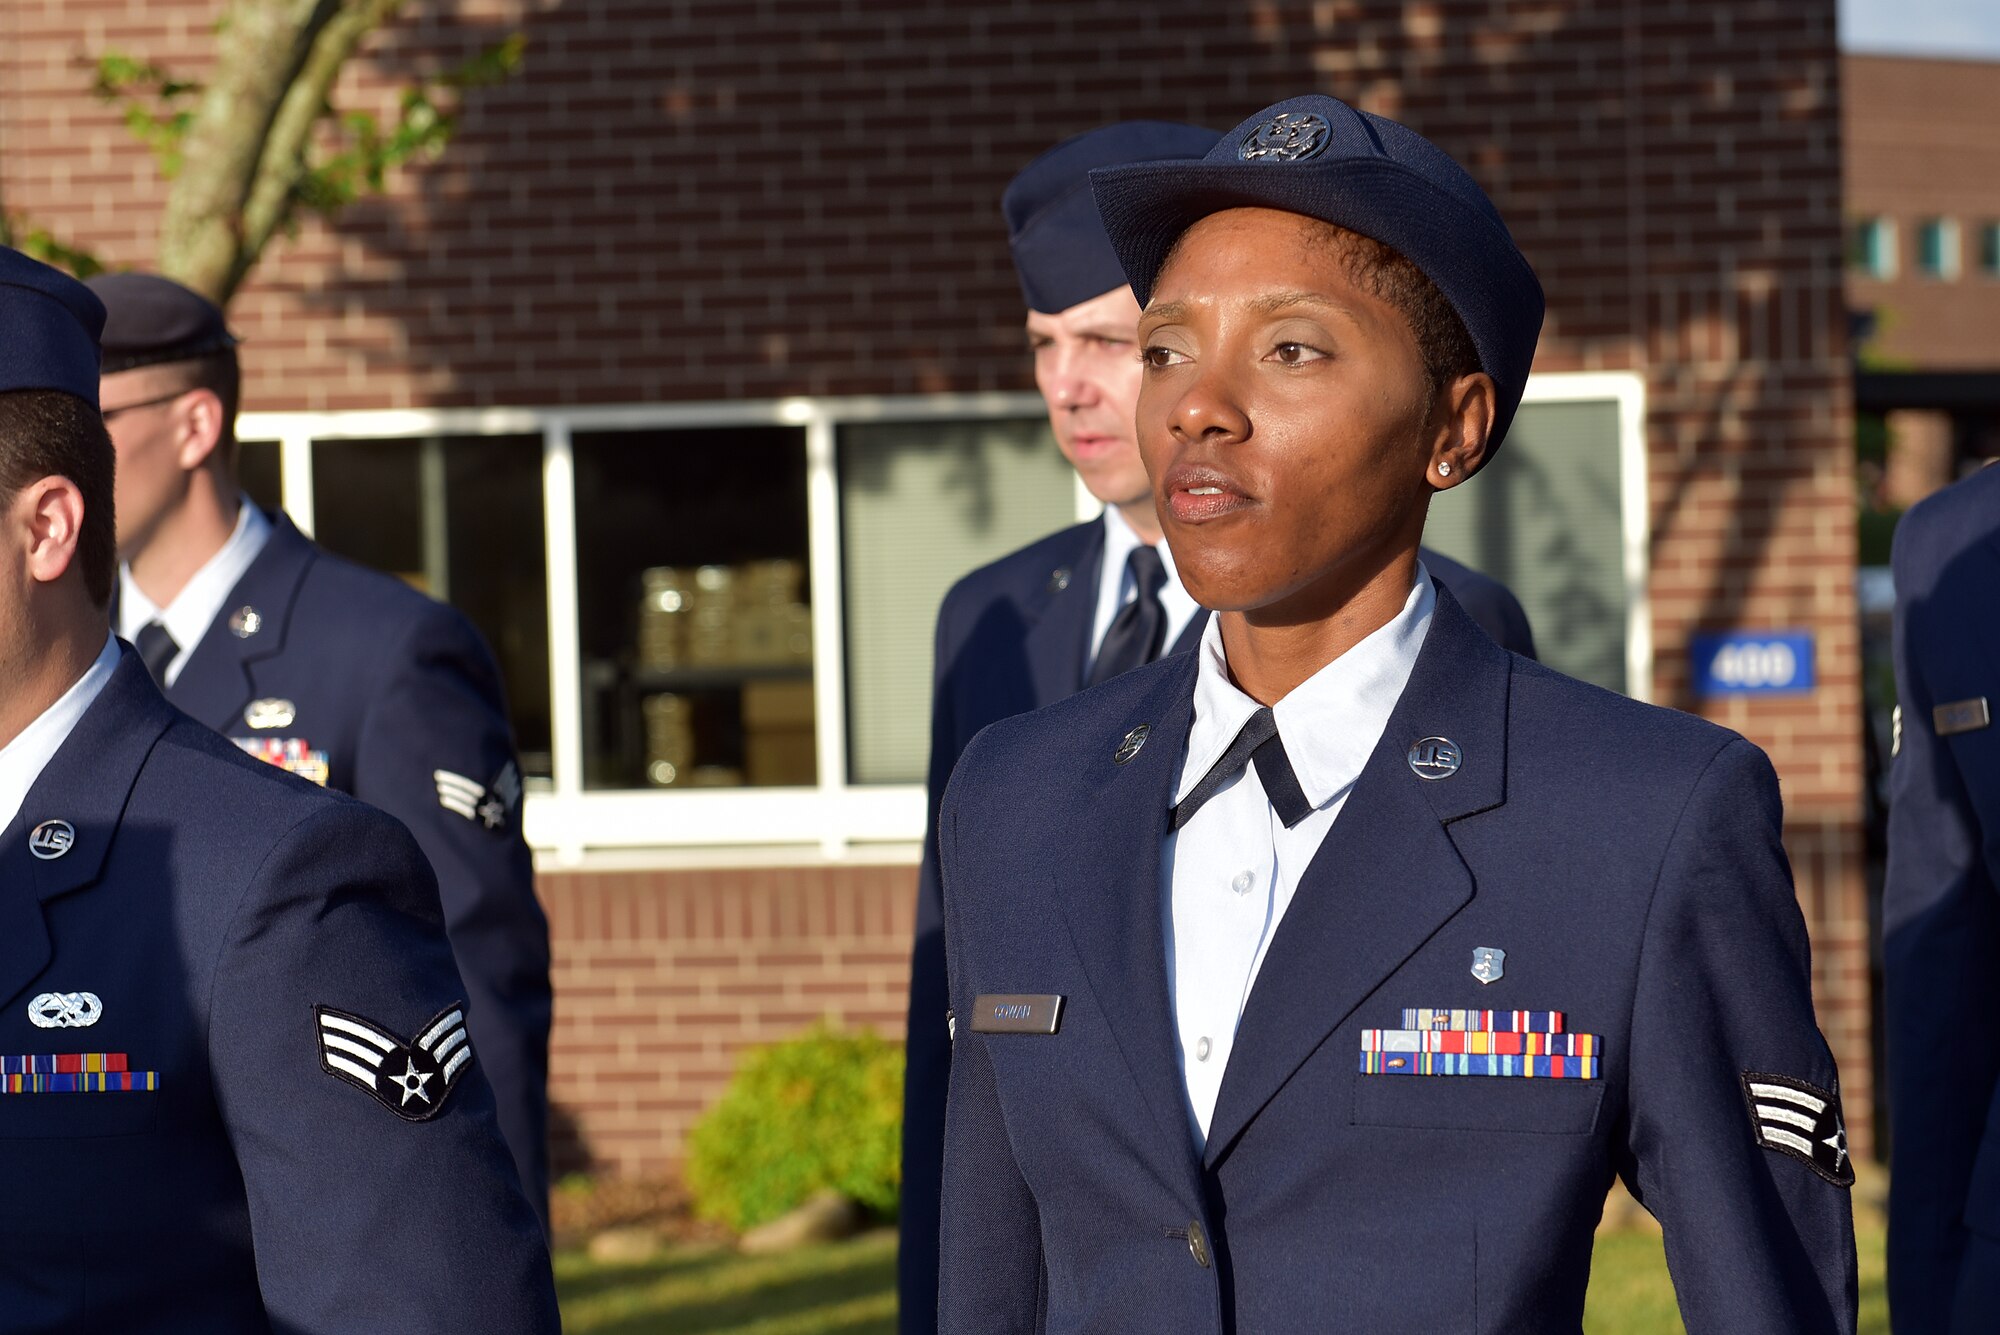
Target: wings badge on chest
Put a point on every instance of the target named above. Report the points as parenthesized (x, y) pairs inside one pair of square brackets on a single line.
[(412, 1078)]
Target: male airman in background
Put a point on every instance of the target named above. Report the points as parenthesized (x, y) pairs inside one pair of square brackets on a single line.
[(341, 674), (1941, 916), (237, 1093)]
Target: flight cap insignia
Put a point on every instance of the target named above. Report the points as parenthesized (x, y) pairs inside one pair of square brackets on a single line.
[(65, 1010), (270, 713), (411, 1078), (1802, 1121), (51, 839), (1489, 963), (1435, 758), (1289, 136)]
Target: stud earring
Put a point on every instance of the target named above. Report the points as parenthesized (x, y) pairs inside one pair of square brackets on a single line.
[(1444, 468)]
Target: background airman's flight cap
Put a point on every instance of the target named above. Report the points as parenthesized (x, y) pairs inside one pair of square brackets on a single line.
[(1320, 157), (1060, 250), (49, 325), (154, 319)]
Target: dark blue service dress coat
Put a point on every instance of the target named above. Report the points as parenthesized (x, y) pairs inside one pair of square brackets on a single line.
[(1941, 916), (1012, 637), (1626, 859), (380, 692), (181, 948)]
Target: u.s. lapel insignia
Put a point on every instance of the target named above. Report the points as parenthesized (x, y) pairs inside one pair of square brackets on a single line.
[(51, 839), (1961, 716), (1134, 743), (490, 803), (1435, 758), (1059, 579), (411, 1078), (1489, 963), (65, 1010), (1802, 1121), (245, 621), (270, 713)]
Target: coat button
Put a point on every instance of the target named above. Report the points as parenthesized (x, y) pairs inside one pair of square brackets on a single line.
[(1197, 1244)]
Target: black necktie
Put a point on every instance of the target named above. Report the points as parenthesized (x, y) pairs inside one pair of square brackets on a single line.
[(1260, 745), (156, 649), (1136, 632)]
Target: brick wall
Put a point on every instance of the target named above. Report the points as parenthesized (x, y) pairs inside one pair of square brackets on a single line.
[(763, 197), (662, 978), (1920, 144)]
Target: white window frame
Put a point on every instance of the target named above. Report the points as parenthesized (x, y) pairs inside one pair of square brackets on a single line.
[(833, 820), (1950, 248)]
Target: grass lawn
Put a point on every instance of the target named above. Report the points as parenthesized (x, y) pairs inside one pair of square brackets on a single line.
[(849, 1289)]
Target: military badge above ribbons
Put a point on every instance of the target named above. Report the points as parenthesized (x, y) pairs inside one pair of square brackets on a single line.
[(1528, 1044)]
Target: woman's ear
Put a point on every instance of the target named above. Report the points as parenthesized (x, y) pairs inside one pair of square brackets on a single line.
[(1462, 421)]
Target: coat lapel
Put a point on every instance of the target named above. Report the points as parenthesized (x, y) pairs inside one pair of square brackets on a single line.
[(85, 784), (216, 682), (1387, 876), (1111, 899), (1059, 637)]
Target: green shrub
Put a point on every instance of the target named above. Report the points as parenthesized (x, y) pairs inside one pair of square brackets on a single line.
[(820, 1111)]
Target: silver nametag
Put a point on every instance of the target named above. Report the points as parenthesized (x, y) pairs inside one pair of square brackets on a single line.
[(1016, 1013), (1961, 716)]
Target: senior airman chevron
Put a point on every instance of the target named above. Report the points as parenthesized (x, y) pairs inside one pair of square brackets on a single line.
[(73, 1073)]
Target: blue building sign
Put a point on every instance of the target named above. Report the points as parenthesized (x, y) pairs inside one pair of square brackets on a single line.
[(1749, 662)]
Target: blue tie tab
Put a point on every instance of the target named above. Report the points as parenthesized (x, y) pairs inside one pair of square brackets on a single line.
[(1529, 1044)]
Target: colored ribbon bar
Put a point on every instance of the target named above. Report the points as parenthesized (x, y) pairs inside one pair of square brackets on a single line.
[(1448, 1063), (63, 1063), (81, 1082), (1523, 1022), (1503, 1043)]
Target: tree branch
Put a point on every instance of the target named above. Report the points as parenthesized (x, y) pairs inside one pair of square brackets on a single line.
[(262, 47)]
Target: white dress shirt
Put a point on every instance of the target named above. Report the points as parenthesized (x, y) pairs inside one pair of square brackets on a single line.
[(1230, 873), (188, 617), (1115, 586), (23, 759)]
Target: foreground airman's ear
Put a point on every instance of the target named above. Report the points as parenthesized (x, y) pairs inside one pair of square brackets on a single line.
[(1462, 424), (45, 523)]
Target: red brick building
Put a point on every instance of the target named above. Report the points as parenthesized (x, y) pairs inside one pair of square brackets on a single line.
[(725, 285), (1923, 201)]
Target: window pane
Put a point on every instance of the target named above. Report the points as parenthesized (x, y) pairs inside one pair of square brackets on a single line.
[(459, 518), (1989, 249), (1545, 519), (1937, 248), (257, 469), (695, 626), (920, 505), (1875, 247)]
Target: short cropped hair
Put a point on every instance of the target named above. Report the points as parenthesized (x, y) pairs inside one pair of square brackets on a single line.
[(1382, 271), (46, 433), (220, 373)]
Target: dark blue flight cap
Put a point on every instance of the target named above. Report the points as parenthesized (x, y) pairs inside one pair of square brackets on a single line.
[(154, 320), (1060, 250), (1320, 157), (49, 324)]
